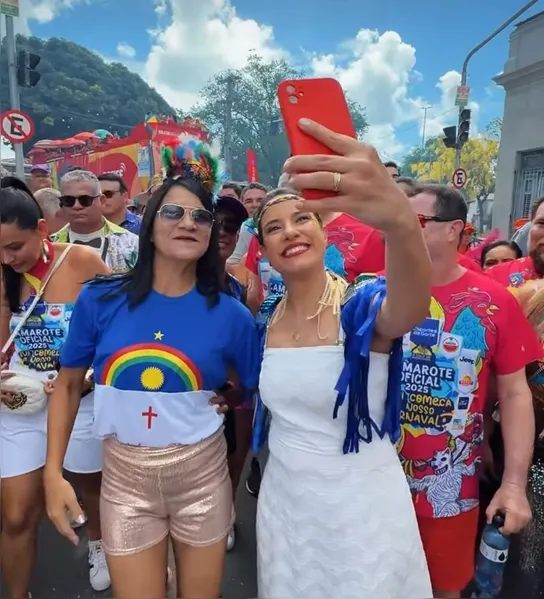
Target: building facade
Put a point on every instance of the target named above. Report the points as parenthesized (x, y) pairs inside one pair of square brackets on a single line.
[(520, 165)]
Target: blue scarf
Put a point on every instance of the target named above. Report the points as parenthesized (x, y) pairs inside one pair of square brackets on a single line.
[(362, 303)]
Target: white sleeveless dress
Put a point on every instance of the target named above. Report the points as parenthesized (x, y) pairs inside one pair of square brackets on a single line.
[(329, 524)]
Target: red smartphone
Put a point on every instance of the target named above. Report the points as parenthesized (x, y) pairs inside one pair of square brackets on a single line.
[(322, 101)]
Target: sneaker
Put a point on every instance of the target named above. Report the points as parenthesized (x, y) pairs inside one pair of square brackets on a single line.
[(99, 575), (253, 481), (231, 539)]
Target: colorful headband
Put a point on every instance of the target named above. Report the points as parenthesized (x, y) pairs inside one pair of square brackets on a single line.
[(273, 202), (186, 158)]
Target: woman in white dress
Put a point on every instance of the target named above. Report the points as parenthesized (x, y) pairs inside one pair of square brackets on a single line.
[(335, 515)]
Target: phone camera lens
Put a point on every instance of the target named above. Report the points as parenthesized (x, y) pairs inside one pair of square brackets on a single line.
[(293, 99), (291, 89)]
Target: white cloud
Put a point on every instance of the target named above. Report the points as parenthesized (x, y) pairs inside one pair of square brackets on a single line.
[(126, 50), (378, 70), (199, 40), (43, 11)]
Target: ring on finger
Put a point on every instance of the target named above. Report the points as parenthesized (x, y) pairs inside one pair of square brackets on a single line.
[(336, 180)]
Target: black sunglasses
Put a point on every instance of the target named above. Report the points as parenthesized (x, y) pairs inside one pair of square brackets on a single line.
[(175, 212), (227, 225), (424, 219), (70, 201), (109, 193)]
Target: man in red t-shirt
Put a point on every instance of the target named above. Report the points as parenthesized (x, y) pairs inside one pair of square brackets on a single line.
[(474, 326), (517, 272), (353, 248)]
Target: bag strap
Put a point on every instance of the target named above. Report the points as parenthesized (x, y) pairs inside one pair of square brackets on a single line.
[(36, 299)]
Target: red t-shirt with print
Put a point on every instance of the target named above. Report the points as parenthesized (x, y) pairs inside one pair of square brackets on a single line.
[(474, 326), (514, 273), (353, 248)]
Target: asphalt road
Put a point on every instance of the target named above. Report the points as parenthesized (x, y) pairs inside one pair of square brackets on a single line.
[(62, 571)]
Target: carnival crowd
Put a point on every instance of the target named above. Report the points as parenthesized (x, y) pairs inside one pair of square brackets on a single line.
[(382, 373)]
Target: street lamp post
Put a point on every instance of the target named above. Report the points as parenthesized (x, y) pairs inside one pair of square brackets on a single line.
[(459, 148)]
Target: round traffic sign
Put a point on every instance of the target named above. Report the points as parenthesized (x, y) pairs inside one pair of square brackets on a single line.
[(16, 126), (459, 178)]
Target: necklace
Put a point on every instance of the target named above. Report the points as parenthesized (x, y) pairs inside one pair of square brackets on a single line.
[(331, 296)]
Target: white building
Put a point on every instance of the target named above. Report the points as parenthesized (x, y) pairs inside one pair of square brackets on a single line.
[(520, 167)]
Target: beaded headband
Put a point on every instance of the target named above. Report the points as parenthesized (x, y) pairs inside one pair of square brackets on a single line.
[(188, 159), (273, 202)]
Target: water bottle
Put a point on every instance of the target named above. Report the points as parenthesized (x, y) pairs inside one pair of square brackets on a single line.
[(491, 559)]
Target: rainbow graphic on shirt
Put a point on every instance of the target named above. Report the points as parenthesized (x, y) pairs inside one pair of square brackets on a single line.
[(151, 367)]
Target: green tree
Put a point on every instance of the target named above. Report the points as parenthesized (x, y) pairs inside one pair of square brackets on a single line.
[(418, 155), (79, 91), (479, 159), (247, 98)]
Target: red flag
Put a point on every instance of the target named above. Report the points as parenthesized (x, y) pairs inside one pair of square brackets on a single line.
[(251, 166)]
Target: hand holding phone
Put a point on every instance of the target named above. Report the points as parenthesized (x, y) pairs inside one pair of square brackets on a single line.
[(320, 100), (352, 179)]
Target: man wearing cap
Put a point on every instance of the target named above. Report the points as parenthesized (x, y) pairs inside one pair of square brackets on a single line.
[(40, 177), (229, 216)]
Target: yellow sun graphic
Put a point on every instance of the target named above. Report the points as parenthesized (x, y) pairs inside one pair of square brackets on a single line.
[(152, 378)]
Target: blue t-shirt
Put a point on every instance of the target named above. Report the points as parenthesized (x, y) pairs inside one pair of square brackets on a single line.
[(157, 366)]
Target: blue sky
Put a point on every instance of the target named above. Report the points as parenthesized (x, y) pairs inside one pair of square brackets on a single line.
[(393, 59)]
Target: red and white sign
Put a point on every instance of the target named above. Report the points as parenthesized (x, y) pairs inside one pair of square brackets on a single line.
[(459, 178), (16, 126)]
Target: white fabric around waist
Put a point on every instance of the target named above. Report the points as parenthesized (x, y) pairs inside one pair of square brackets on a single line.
[(154, 419)]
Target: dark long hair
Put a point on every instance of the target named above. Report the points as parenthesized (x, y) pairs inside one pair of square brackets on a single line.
[(17, 207), (501, 243), (138, 282)]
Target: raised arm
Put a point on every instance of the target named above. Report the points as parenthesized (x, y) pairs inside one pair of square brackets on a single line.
[(360, 185)]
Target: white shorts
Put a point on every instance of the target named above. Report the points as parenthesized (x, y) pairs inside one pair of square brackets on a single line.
[(23, 442)]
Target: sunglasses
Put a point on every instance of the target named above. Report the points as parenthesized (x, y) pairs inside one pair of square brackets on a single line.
[(227, 225), (175, 213), (70, 201), (423, 219), (109, 193)]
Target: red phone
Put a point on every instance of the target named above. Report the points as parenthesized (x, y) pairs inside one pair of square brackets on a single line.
[(322, 101)]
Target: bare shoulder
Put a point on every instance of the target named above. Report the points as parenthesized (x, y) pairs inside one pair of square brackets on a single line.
[(85, 261)]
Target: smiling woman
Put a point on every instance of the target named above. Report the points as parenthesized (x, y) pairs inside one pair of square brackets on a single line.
[(157, 371), (330, 379)]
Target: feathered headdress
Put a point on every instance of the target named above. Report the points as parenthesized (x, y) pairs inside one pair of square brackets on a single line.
[(184, 157)]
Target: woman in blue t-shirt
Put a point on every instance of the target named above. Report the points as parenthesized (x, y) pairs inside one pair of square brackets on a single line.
[(160, 340)]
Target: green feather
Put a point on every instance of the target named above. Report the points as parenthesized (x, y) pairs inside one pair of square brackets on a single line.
[(167, 157), (214, 163)]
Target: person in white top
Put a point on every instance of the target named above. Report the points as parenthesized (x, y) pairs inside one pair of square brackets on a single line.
[(335, 515), (41, 281)]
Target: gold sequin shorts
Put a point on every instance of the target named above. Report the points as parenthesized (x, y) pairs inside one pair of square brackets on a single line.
[(148, 493)]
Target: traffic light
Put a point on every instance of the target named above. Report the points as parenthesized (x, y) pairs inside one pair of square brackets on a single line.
[(464, 126), (450, 137), (27, 76)]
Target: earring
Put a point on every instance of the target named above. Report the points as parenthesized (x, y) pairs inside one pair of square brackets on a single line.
[(45, 253)]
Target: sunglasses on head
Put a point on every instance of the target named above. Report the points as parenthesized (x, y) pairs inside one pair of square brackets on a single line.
[(70, 201), (175, 213)]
